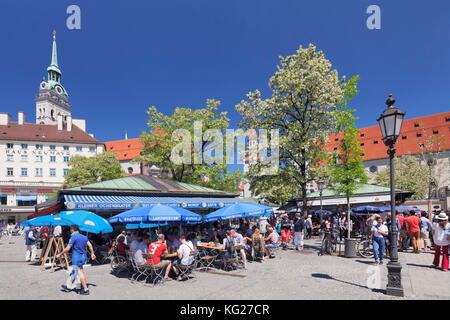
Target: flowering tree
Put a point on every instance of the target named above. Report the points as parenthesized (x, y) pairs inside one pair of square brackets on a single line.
[(305, 91)]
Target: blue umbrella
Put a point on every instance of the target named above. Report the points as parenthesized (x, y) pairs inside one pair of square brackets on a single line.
[(156, 213), (366, 209), (49, 220), (323, 212), (237, 211), (142, 225), (399, 208), (87, 221)]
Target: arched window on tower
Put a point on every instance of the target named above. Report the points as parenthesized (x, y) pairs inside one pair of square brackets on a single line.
[(52, 113)]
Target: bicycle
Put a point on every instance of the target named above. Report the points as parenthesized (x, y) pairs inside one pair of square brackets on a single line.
[(329, 243)]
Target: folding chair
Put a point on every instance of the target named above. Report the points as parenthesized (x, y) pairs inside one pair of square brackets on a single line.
[(154, 274), (205, 260), (232, 263), (185, 271), (118, 263), (258, 249)]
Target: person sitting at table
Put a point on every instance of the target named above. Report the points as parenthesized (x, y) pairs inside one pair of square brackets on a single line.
[(192, 237), (204, 236), (272, 238), (184, 255), (136, 239), (214, 237), (159, 249), (172, 242), (250, 231), (258, 244), (228, 244), (121, 246), (239, 240), (141, 248)]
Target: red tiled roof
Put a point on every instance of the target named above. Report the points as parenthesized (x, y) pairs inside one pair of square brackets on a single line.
[(44, 133), (125, 149), (413, 133)]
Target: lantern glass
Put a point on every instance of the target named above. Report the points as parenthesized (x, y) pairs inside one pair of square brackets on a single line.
[(398, 123), (320, 184)]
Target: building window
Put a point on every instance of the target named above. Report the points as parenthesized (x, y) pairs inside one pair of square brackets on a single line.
[(52, 172), (66, 171), (10, 145), (39, 147), (130, 170), (419, 135), (39, 159), (3, 200), (24, 172), (375, 142), (361, 135), (39, 172), (373, 169), (10, 172), (416, 125), (52, 147), (79, 148), (66, 159), (403, 137), (9, 157), (92, 149), (66, 148), (336, 139), (435, 132), (24, 146), (362, 144), (24, 157), (52, 159)]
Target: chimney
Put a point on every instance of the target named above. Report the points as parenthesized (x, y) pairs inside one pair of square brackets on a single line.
[(69, 123), (60, 122), (21, 118), (5, 119)]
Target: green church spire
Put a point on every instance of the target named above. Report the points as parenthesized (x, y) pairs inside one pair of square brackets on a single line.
[(54, 52), (54, 74)]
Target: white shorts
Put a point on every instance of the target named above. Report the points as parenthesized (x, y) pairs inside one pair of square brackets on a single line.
[(298, 238)]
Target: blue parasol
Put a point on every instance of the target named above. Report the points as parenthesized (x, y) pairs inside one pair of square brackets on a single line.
[(157, 213), (87, 221), (50, 220), (237, 211)]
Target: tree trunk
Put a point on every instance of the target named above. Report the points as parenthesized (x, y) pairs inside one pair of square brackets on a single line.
[(304, 199)]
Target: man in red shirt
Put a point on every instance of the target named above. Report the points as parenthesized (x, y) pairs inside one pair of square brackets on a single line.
[(158, 249), (413, 228)]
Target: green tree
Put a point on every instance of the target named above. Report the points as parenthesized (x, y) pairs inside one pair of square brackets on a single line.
[(159, 143), (347, 170), (84, 170), (305, 91), (410, 175)]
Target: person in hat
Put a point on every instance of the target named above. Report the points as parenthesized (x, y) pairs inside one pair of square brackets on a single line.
[(441, 237)]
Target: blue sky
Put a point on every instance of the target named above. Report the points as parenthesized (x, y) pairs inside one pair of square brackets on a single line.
[(132, 54)]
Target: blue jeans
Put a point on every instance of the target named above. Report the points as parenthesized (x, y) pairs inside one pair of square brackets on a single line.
[(378, 246)]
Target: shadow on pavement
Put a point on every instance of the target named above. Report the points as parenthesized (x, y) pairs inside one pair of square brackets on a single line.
[(421, 265), (326, 276)]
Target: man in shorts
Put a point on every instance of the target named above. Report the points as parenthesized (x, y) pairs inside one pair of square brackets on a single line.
[(77, 243), (158, 249)]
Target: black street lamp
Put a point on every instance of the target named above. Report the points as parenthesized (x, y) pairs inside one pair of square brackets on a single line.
[(390, 123), (320, 186)]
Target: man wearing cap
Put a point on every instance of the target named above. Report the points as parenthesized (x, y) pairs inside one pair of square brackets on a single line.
[(441, 237)]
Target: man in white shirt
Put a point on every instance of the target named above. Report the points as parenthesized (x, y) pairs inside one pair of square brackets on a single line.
[(441, 237), (142, 247), (184, 254)]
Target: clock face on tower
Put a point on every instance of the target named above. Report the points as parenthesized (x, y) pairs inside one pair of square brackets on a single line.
[(59, 89), (43, 84)]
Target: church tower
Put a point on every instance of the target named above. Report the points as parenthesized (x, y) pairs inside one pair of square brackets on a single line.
[(52, 99)]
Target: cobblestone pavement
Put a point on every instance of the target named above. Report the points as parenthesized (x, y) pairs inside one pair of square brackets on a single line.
[(291, 275)]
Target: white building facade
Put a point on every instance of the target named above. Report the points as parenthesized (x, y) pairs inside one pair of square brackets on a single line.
[(34, 156)]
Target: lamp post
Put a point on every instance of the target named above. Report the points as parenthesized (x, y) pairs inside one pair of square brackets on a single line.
[(390, 122), (320, 186)]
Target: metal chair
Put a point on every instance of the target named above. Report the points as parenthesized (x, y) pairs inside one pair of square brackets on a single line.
[(154, 274), (186, 270), (205, 260)]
